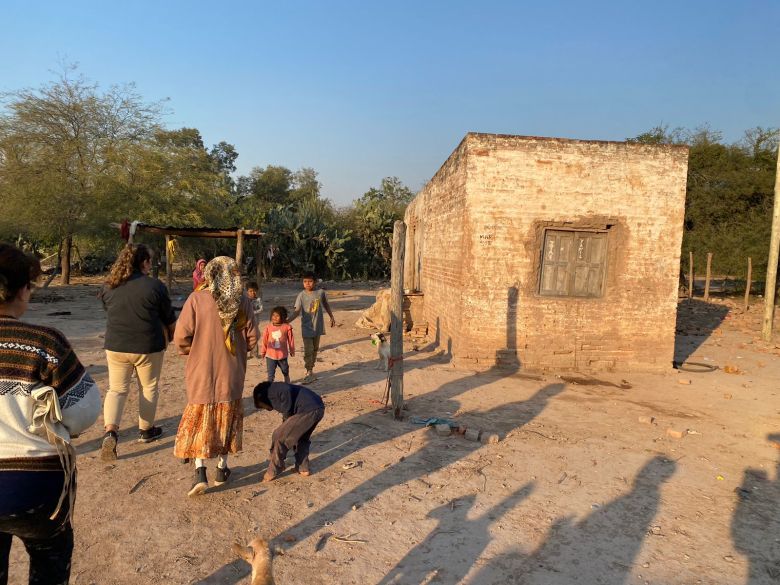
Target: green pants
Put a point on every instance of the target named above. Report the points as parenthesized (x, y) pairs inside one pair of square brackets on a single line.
[(311, 346)]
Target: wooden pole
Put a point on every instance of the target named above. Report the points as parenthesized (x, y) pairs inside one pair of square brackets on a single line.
[(259, 264), (168, 263), (240, 249), (707, 278), (397, 320), (748, 282), (690, 275), (66, 252), (774, 256)]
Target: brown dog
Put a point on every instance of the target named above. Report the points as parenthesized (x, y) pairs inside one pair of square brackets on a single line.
[(258, 554)]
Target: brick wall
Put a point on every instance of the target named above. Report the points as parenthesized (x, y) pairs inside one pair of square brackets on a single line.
[(481, 223), (434, 245)]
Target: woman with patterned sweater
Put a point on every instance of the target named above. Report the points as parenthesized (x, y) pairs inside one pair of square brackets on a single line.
[(46, 397)]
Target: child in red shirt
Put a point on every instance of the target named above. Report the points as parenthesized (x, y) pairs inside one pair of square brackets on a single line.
[(277, 344)]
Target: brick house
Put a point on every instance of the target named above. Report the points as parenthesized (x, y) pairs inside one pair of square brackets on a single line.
[(548, 253)]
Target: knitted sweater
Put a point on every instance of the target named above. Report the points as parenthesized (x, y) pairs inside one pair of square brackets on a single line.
[(32, 357)]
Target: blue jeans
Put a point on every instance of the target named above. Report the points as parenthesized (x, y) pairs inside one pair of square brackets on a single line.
[(27, 499), (271, 364)]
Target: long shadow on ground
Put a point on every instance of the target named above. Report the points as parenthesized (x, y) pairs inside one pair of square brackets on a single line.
[(696, 320), (601, 548), (756, 523), (464, 540)]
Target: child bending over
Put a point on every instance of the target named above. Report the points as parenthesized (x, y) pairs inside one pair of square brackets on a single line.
[(302, 410)]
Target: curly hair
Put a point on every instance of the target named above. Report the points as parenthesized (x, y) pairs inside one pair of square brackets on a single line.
[(17, 270), (130, 259)]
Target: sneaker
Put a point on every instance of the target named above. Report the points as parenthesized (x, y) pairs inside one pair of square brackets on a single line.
[(223, 473), (150, 435), (201, 483), (108, 449)]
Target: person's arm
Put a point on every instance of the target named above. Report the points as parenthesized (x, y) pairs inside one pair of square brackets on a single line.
[(297, 308), (327, 309), (185, 327), (78, 395), (279, 396), (167, 314), (251, 325), (291, 341), (264, 342)]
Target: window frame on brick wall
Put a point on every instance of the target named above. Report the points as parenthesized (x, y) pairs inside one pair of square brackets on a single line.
[(585, 252)]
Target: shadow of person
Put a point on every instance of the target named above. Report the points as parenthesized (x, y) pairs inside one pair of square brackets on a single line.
[(696, 320), (601, 548), (756, 523), (452, 548), (229, 574), (428, 459)]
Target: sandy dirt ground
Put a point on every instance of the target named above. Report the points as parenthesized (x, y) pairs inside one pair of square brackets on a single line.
[(577, 491)]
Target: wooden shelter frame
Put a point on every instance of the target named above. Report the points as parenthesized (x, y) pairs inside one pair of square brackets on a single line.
[(240, 234)]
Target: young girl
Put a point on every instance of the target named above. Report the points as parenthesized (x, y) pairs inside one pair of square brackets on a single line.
[(277, 343)]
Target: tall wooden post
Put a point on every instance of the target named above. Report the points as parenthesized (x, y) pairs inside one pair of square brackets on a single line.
[(748, 282), (397, 319), (690, 275), (774, 256), (240, 249), (67, 247), (168, 263), (707, 278), (259, 263)]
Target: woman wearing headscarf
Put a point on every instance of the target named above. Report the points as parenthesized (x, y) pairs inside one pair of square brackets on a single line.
[(215, 330), (197, 275)]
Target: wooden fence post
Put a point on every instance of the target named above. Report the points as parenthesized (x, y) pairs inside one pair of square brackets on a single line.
[(397, 320), (240, 249), (747, 282), (690, 275), (258, 264), (168, 264), (707, 278), (774, 255)]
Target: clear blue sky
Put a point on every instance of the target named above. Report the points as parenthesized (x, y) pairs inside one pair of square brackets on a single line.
[(362, 90)]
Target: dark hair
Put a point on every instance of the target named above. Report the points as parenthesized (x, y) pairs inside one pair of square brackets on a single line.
[(130, 259), (252, 285), (309, 274), (281, 311), (17, 270), (260, 394)]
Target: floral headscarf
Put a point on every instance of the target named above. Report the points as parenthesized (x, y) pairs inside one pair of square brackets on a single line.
[(223, 281)]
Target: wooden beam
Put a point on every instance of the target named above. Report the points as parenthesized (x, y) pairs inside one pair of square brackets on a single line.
[(397, 320), (748, 282), (707, 278), (774, 257), (194, 232)]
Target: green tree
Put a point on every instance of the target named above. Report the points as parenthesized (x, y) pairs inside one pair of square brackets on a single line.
[(371, 219), (61, 147), (729, 195)]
